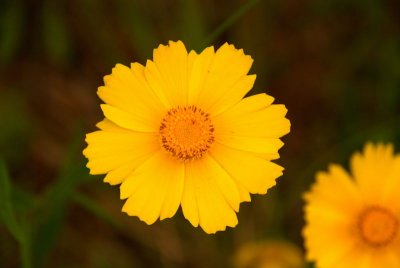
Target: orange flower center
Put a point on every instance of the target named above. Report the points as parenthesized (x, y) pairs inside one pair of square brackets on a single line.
[(186, 133), (378, 226)]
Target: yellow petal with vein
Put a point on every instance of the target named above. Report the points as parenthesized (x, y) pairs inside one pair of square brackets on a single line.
[(154, 190), (228, 67), (126, 90), (130, 121), (204, 204), (167, 74), (256, 174), (109, 150), (268, 123)]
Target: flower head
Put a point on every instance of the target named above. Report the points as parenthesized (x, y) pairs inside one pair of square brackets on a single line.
[(353, 220), (177, 132)]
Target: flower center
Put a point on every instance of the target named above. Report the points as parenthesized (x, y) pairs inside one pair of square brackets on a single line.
[(378, 226), (186, 133)]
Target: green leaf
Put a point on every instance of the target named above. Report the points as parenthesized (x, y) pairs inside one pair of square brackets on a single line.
[(7, 216), (23, 201), (6, 209), (57, 198)]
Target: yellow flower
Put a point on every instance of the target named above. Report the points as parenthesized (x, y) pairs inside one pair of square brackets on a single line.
[(353, 220), (178, 133), (269, 254)]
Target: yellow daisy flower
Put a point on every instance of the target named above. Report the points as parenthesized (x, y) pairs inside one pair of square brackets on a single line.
[(177, 132), (353, 220)]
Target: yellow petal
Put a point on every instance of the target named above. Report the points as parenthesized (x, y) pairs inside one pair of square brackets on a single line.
[(127, 120), (256, 174), (192, 56), (340, 245), (244, 195), (119, 174), (189, 201), (225, 183), (329, 184), (264, 146), (377, 161), (200, 68), (173, 194), (140, 73), (109, 150), (253, 125), (388, 258), (234, 95), (106, 124), (225, 82), (353, 258), (154, 190), (267, 123), (125, 90), (205, 201), (250, 104), (168, 74), (391, 189)]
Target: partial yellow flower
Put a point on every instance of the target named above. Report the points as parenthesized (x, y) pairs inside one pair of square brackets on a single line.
[(353, 220), (177, 132), (269, 254)]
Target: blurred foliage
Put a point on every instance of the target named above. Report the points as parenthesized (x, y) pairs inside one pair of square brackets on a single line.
[(335, 64), (18, 229), (55, 34), (11, 29), (17, 129)]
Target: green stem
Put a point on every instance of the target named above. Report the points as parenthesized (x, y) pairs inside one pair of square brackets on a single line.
[(229, 21), (26, 253)]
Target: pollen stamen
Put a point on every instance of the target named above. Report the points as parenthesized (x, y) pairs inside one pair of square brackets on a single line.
[(378, 226), (187, 133)]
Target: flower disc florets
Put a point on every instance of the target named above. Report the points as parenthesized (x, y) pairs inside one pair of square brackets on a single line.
[(187, 133), (378, 226)]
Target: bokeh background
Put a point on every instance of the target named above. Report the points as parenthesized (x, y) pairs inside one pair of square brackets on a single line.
[(335, 64)]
